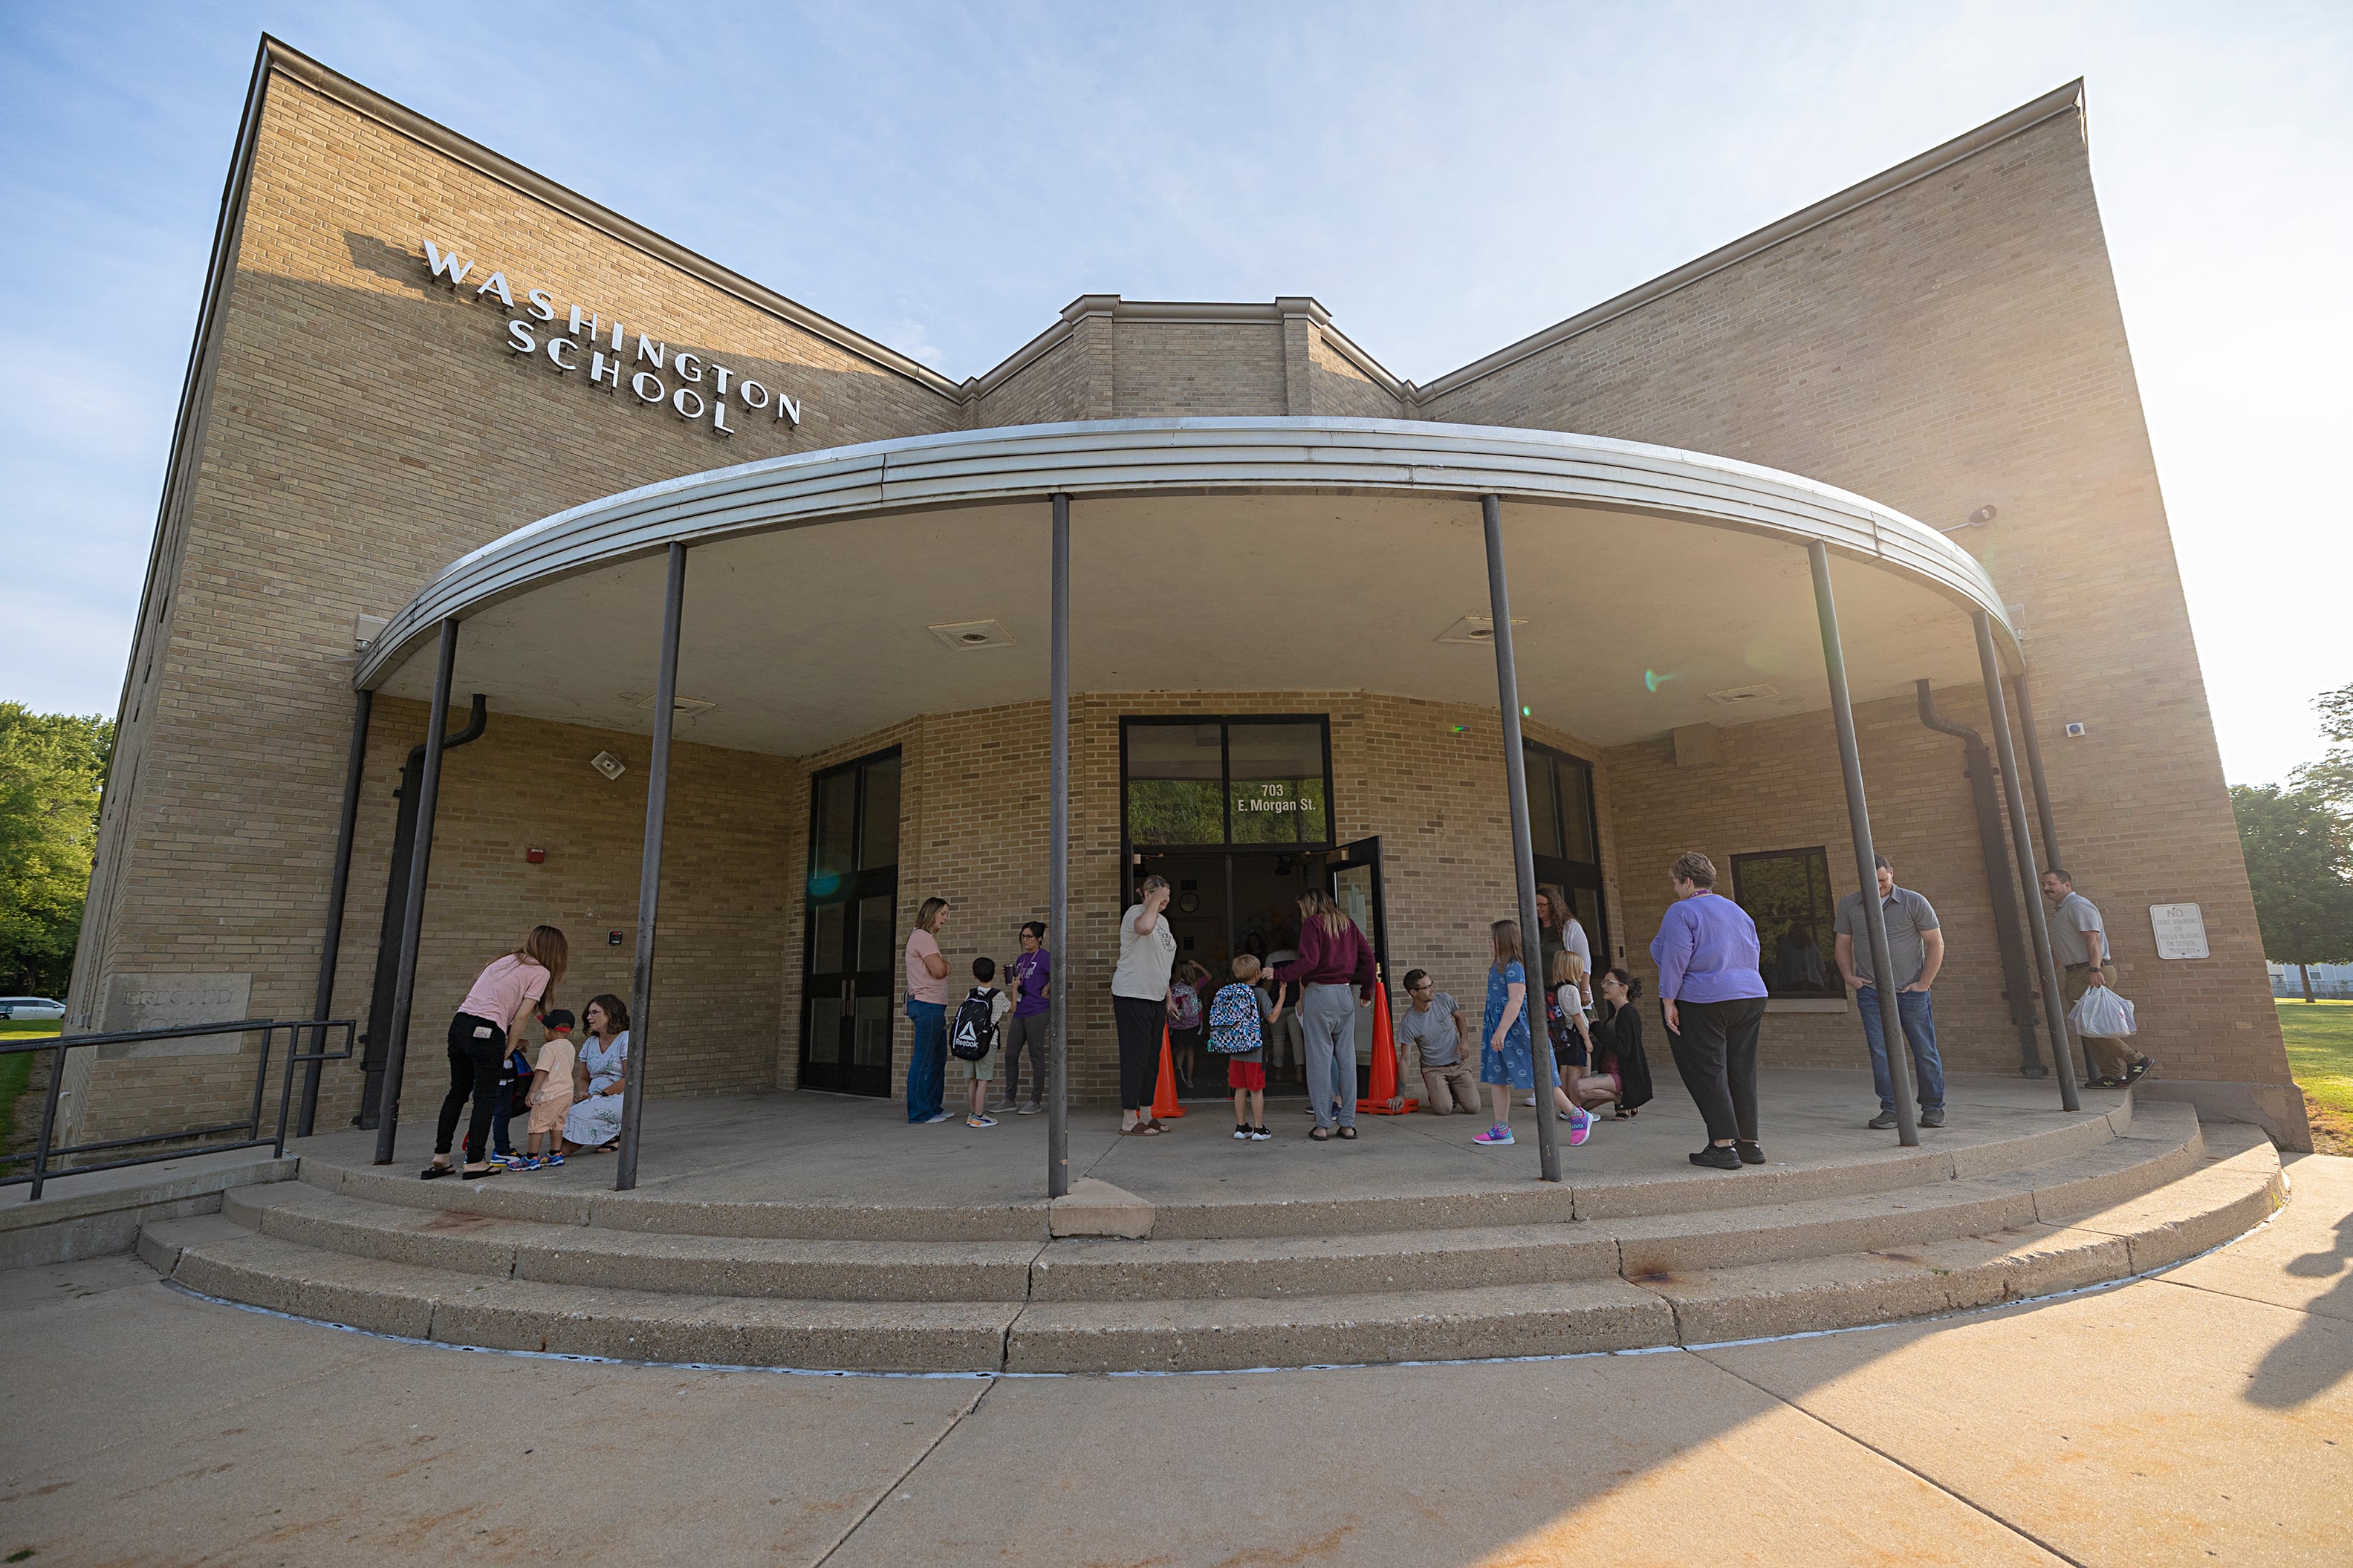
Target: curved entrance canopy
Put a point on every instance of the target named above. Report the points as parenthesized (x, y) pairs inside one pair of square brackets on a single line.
[(1658, 587)]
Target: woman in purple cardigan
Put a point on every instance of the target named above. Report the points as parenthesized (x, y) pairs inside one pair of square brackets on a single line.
[(1713, 1000)]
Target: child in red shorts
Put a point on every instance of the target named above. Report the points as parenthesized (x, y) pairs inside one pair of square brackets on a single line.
[(1238, 1019)]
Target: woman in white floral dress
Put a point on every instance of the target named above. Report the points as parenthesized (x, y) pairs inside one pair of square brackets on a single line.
[(595, 1119)]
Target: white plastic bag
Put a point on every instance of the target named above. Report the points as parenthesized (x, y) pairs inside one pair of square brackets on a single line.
[(2103, 1014)]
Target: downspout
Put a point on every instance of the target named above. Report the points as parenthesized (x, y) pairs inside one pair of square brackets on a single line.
[(375, 1041), (2009, 932)]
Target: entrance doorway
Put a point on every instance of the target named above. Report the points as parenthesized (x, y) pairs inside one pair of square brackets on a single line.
[(849, 962), (1227, 902)]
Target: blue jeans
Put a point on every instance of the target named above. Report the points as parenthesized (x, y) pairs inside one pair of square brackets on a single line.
[(928, 1068), (1919, 1033)]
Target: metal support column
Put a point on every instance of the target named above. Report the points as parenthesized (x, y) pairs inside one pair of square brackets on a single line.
[(1058, 872), (1524, 859), (412, 916), (641, 972), (1858, 816), (2034, 771), (330, 944), (2054, 1004)]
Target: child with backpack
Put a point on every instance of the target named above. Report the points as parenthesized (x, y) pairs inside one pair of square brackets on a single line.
[(971, 1036), (551, 1091), (1572, 1041), (1238, 1017)]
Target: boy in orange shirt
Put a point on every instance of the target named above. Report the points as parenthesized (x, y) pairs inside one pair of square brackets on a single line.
[(550, 1090)]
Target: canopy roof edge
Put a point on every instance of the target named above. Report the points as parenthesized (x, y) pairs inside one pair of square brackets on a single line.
[(1126, 456)]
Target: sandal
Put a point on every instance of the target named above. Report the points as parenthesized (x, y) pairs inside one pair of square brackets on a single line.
[(492, 1170), (1140, 1130), (433, 1172), (1319, 1134), (1347, 1132)]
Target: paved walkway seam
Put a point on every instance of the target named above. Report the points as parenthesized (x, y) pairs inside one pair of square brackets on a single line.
[(900, 1479)]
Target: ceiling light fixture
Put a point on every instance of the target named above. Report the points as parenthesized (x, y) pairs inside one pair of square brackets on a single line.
[(1479, 631), (973, 633)]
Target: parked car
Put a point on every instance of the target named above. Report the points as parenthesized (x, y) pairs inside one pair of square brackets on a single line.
[(29, 1009)]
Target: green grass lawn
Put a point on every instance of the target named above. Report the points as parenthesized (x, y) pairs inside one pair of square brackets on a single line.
[(2320, 1054), (16, 1070)]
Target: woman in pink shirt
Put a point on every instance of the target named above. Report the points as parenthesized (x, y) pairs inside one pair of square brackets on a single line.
[(477, 1042)]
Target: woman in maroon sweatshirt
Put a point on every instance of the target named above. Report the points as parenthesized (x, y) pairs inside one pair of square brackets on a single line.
[(1333, 959)]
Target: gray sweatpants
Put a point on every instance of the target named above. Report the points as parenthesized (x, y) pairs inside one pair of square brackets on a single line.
[(1328, 1018)]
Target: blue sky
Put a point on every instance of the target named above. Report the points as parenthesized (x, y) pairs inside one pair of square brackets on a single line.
[(1444, 178)]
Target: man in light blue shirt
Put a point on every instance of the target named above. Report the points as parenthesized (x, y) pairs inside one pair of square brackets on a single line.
[(1915, 950)]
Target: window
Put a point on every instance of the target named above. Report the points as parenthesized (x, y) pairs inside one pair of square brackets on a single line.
[(1561, 826), (1788, 893), (1225, 781)]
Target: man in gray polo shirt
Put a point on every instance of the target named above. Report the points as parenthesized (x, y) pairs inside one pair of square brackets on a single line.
[(1915, 950), (2079, 939)]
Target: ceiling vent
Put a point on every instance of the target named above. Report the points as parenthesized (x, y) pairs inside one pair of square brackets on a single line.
[(680, 704), (1479, 631), (1742, 696), (974, 634)]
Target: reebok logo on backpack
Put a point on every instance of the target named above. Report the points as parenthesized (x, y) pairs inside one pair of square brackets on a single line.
[(974, 1031)]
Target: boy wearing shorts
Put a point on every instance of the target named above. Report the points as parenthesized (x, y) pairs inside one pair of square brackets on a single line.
[(550, 1090), (1239, 1016), (979, 1072)]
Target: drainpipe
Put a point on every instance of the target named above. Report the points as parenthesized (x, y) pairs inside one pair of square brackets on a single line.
[(2009, 933), (395, 908)]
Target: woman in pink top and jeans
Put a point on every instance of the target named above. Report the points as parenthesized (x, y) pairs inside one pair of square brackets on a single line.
[(1334, 957), (477, 1042)]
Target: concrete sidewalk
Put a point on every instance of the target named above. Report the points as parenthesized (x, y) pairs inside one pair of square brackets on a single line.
[(2203, 1416)]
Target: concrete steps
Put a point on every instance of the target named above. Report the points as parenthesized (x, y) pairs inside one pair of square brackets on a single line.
[(2160, 1192)]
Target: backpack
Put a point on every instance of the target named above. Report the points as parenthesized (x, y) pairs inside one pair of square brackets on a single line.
[(1234, 1021), (1189, 1007), (1566, 1046), (976, 1025)]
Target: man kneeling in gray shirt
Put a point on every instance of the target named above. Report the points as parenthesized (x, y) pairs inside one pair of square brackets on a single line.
[(1433, 1026)]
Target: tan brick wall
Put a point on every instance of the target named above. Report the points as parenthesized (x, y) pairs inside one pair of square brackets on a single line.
[(1952, 344), (367, 427), (1336, 387), (1169, 369)]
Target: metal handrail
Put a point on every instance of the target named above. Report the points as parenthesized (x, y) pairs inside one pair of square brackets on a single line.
[(45, 1152)]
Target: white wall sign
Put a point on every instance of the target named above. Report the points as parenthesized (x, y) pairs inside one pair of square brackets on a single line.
[(2180, 930), (696, 389)]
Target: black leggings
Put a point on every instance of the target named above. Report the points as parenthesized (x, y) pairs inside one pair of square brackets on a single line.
[(1140, 1022), (1716, 1054), (474, 1065)]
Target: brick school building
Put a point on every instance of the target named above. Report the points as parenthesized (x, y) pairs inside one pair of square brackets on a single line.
[(430, 389)]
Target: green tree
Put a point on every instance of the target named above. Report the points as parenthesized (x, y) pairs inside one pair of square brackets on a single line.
[(52, 767), (2332, 776), (2299, 852)]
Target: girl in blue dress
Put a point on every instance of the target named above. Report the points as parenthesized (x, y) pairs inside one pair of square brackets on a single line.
[(1506, 1058)]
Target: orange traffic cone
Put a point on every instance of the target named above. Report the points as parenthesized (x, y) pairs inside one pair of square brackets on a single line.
[(1164, 1093), (1384, 1100)]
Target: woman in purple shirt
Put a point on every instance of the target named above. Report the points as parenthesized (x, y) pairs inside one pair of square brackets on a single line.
[(1713, 1000), (1032, 977)]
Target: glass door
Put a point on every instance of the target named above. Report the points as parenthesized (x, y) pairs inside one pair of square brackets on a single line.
[(1353, 876), (850, 948)]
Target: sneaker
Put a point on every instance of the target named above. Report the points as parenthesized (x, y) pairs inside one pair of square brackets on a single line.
[(1260, 1134), (1882, 1123), (525, 1163), (980, 1121), (1580, 1126), (933, 1120), (1032, 1109), (510, 1159), (1498, 1134), (1716, 1159), (1751, 1152), (1932, 1117), (2137, 1072), (1530, 1100), (551, 1160), (1241, 1133)]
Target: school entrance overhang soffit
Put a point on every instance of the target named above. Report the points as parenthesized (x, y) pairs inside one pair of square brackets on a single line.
[(1658, 587)]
